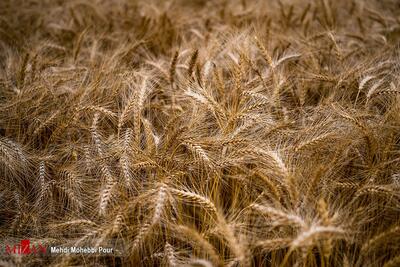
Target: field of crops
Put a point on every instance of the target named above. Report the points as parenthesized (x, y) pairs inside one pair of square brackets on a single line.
[(200, 133)]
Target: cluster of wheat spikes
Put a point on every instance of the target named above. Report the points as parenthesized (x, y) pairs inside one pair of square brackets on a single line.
[(201, 133)]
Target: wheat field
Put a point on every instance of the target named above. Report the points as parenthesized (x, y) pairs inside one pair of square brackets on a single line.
[(201, 133)]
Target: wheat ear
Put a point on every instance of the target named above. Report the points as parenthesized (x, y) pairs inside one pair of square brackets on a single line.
[(196, 199)]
